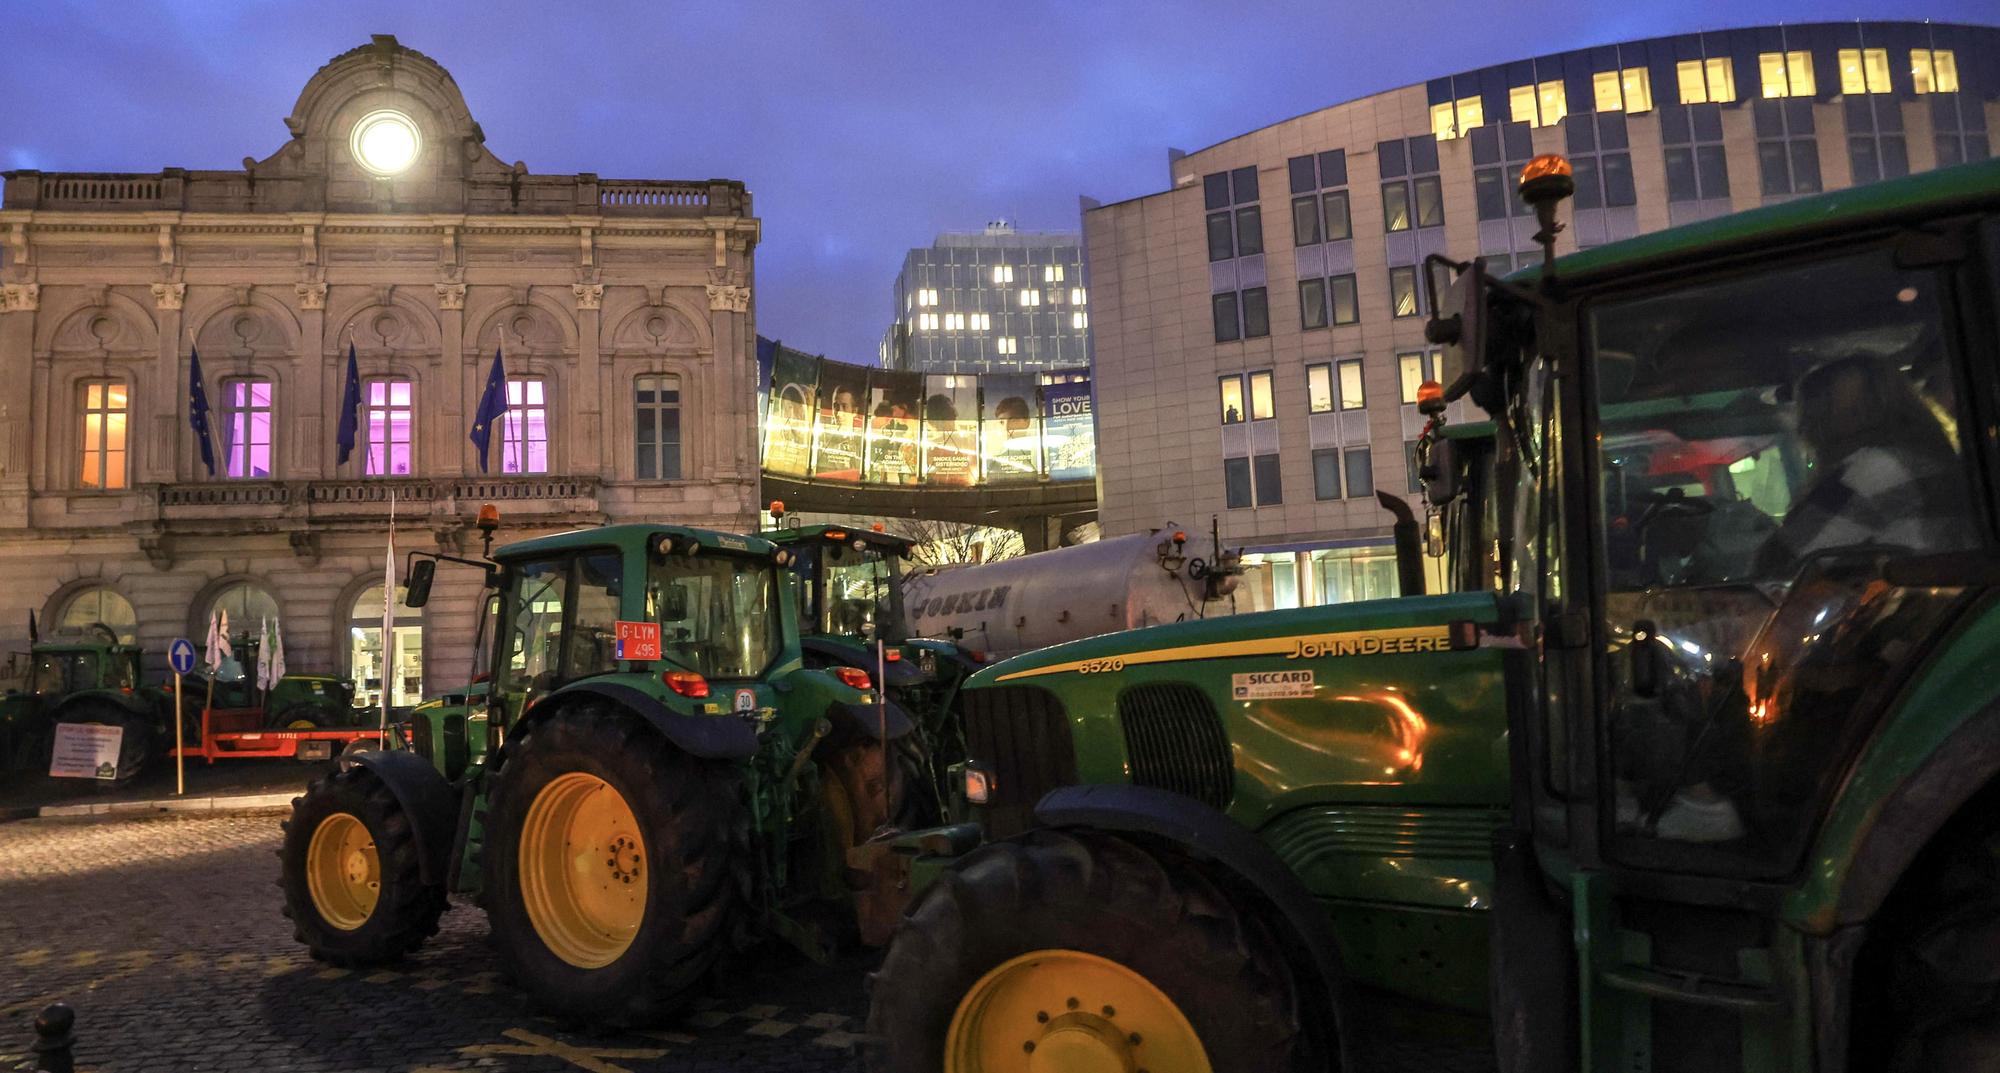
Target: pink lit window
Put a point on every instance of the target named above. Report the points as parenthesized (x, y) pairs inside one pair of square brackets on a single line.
[(246, 428), (524, 434), (389, 428)]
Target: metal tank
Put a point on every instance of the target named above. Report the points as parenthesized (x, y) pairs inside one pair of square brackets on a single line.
[(1018, 605)]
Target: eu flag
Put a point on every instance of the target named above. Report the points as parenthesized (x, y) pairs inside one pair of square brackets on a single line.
[(492, 407), (350, 408), (198, 410)]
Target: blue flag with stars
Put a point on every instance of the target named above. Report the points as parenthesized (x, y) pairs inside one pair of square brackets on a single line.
[(198, 410), (492, 407), (350, 409)]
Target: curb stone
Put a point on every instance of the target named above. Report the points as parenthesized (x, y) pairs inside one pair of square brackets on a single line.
[(170, 804)]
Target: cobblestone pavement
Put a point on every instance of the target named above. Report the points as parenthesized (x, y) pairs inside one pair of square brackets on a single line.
[(164, 933)]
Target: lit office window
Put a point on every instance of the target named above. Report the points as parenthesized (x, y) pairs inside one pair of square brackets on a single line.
[(1711, 81), (1629, 90), (1079, 320), (1455, 118), (954, 322), (1934, 70), (1786, 74), (1052, 274), (246, 428), (927, 296), (1030, 296), (1007, 345), (1003, 273), (106, 408), (1538, 105), (982, 322), (1260, 396), (1403, 292), (390, 415), (1232, 399), (1352, 396), (1864, 70), (927, 321), (1319, 389), (524, 431), (1413, 368), (1077, 297)]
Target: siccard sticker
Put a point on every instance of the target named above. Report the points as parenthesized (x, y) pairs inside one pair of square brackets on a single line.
[(746, 700), (1267, 685)]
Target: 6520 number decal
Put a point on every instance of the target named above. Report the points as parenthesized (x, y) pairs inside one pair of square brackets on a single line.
[(1099, 666)]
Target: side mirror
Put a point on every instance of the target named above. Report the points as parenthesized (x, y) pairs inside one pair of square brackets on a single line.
[(1459, 322), (417, 587), (1439, 472)]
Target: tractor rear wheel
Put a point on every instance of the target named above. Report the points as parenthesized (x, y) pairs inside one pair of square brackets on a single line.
[(135, 748), (608, 865), (352, 879), (305, 716), (1081, 951)]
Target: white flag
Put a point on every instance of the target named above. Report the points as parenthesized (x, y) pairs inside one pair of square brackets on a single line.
[(277, 651), (211, 658), (264, 656)]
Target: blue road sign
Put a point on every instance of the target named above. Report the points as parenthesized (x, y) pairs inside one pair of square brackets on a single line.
[(180, 655)]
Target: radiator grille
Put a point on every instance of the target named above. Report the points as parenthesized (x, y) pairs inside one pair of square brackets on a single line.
[(1175, 741), (1022, 734)]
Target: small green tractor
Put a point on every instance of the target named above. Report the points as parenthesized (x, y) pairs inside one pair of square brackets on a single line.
[(660, 778), (1697, 767)]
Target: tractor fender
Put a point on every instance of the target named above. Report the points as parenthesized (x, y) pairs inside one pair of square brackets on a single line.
[(867, 721), (710, 737), (1205, 833), (426, 798), (895, 673)]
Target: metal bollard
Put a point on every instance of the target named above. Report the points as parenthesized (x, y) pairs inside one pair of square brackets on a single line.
[(53, 1039)]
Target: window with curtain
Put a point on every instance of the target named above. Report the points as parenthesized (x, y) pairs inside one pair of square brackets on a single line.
[(106, 408), (249, 405), (524, 431)]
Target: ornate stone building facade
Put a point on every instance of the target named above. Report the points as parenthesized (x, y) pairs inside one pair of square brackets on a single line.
[(384, 223)]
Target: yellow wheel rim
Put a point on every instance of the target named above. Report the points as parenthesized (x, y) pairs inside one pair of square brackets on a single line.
[(343, 872), (301, 724), (1068, 1011), (583, 874)]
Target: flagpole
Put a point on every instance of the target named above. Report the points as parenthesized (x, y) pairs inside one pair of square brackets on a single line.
[(388, 618)]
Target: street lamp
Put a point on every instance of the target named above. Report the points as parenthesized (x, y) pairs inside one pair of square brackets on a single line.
[(385, 142)]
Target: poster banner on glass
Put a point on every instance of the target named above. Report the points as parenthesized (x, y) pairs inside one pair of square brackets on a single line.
[(1068, 431), (1009, 434), (838, 434), (951, 429), (788, 418), (894, 403)]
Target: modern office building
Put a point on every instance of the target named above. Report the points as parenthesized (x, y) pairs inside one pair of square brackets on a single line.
[(998, 300), (380, 225), (1258, 326)]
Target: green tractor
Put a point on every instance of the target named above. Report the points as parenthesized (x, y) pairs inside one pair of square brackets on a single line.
[(1698, 768), (294, 702), (849, 585), (84, 677), (660, 780)]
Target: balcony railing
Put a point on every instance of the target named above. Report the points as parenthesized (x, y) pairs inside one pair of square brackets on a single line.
[(415, 497)]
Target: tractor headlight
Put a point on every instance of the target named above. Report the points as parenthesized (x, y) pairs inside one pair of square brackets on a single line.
[(978, 784)]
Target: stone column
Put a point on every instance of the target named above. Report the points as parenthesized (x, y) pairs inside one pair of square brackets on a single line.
[(169, 394), (307, 446), (453, 451), (19, 305), (583, 400)]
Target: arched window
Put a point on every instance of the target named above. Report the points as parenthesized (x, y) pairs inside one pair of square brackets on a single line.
[(247, 603), (96, 604), (364, 639)]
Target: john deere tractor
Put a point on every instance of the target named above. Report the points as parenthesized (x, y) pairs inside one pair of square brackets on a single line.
[(658, 783), (88, 676), (1696, 768)]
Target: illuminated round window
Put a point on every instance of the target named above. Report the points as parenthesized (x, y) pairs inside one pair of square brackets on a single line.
[(385, 142)]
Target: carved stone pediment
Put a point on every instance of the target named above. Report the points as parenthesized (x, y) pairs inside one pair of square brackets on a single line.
[(305, 545), (450, 295), (169, 295), (311, 295)]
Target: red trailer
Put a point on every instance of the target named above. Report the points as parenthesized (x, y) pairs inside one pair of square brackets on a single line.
[(241, 733)]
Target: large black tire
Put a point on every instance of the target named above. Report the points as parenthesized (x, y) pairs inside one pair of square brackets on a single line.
[(1156, 915), (135, 749), (1931, 969), (304, 716), (406, 909), (687, 812)]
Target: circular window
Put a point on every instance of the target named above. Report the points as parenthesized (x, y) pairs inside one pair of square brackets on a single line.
[(385, 142)]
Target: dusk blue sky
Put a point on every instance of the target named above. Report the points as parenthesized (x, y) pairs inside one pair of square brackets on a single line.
[(862, 130)]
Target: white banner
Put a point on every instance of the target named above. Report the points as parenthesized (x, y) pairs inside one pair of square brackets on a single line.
[(86, 751)]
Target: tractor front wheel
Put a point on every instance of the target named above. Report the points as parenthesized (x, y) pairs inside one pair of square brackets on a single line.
[(352, 879), (608, 866), (1081, 951)]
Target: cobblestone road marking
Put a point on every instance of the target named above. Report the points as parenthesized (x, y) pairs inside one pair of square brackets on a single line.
[(590, 1058)]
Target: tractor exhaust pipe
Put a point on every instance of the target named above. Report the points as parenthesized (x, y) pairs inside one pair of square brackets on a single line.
[(1409, 545)]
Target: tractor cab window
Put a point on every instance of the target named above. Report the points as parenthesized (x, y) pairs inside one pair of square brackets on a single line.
[(593, 647), (532, 613), (1766, 443), (60, 673), (857, 594), (719, 615)]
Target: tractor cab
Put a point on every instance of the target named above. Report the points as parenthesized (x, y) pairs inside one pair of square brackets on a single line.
[(1744, 475)]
